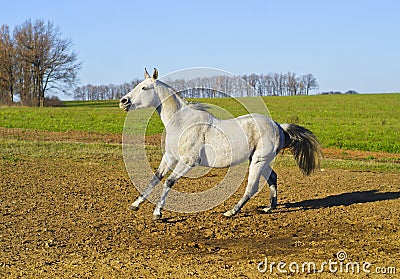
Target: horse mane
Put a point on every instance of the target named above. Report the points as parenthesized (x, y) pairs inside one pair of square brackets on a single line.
[(198, 106), (194, 105)]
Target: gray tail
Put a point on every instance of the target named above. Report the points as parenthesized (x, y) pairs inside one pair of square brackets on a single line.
[(305, 147)]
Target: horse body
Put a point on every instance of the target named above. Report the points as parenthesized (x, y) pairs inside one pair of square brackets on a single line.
[(194, 137), (210, 139)]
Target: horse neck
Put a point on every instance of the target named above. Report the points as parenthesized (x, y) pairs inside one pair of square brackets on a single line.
[(170, 103)]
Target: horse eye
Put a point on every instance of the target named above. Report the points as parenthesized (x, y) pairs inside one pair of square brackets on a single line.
[(144, 88)]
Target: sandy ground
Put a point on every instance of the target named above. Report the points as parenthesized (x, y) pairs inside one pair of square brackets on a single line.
[(66, 218)]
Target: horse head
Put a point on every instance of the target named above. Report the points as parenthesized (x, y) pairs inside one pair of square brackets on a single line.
[(143, 95)]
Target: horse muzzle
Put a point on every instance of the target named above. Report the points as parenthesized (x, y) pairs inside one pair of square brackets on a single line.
[(125, 104)]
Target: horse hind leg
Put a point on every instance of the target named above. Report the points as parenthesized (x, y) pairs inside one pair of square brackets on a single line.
[(255, 171), (272, 180)]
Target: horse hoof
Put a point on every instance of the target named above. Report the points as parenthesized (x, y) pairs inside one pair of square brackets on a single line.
[(229, 213), (267, 209), (157, 217), (134, 208)]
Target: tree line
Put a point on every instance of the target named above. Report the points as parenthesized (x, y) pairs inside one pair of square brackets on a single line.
[(91, 92), (272, 84), (35, 59)]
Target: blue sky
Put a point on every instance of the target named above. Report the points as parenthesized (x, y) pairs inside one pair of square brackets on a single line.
[(345, 44)]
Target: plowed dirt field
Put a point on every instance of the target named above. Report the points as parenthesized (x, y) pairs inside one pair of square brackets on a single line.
[(69, 218)]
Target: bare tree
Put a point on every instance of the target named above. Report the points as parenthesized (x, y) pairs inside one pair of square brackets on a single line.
[(45, 58), (7, 66), (310, 82), (292, 84), (301, 86)]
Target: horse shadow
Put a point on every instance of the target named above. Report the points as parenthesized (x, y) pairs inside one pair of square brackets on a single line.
[(344, 199), (172, 220)]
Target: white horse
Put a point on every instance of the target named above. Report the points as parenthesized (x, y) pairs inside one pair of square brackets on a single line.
[(194, 137)]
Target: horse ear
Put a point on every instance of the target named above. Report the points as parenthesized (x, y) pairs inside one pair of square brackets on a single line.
[(146, 74), (155, 73)]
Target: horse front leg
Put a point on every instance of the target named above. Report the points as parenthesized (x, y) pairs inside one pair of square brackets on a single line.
[(166, 163), (180, 170)]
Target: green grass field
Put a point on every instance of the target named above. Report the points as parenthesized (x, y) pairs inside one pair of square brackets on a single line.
[(354, 122)]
